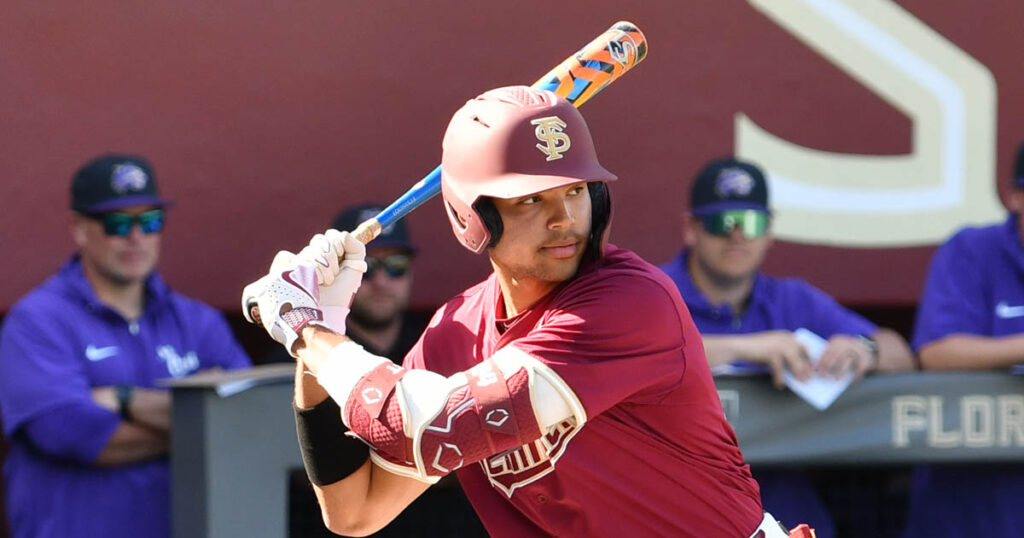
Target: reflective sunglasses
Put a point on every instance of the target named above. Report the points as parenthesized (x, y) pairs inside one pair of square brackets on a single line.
[(751, 222), (395, 265), (121, 224)]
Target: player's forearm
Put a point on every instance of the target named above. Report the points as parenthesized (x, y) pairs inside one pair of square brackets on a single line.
[(968, 352), (148, 408), (308, 393), (315, 345), (366, 501), (151, 409), (894, 354), (722, 349), (132, 443)]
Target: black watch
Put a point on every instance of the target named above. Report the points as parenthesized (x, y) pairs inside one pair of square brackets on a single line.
[(872, 347), (124, 401)]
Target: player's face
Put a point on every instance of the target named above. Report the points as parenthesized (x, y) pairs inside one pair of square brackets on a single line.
[(544, 235), (384, 294), (118, 259), (727, 259), (1016, 204)]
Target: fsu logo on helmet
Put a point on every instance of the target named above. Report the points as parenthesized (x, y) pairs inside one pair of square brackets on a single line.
[(549, 131)]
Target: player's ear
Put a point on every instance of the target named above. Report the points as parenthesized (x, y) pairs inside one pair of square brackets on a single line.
[(76, 225), (1015, 202), (690, 224)]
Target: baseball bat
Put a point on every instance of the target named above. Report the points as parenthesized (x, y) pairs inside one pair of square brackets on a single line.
[(578, 78)]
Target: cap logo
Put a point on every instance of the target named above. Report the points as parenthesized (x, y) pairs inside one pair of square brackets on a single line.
[(128, 177), (734, 182), (549, 131)]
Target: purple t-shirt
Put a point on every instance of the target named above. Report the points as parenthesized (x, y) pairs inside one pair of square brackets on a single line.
[(775, 304), (56, 344), (975, 285)]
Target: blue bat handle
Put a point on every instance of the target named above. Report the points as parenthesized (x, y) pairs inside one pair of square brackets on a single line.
[(427, 188)]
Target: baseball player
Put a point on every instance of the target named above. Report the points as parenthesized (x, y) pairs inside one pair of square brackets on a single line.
[(569, 390)]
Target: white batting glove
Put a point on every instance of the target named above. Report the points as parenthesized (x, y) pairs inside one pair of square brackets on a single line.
[(287, 297), (338, 282)]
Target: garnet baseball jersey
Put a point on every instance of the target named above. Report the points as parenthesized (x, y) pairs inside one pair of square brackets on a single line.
[(655, 456)]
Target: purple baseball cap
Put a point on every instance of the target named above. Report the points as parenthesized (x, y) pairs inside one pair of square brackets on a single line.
[(110, 182), (728, 183)]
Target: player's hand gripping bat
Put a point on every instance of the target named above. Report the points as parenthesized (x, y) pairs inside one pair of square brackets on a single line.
[(578, 78)]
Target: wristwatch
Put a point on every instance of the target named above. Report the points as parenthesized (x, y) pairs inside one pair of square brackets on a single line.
[(124, 401), (872, 347)]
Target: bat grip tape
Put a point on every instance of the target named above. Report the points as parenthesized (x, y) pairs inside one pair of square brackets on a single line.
[(327, 453)]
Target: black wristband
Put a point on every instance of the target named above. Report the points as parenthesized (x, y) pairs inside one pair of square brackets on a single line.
[(124, 401), (872, 347), (327, 453)]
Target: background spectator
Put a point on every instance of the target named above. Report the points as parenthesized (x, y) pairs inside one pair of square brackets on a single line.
[(971, 317), (79, 357), (747, 318)]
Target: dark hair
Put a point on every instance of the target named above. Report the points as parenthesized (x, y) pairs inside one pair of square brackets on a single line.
[(600, 205)]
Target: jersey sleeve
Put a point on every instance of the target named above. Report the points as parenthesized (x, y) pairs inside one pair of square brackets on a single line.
[(39, 376), (622, 338), (954, 299)]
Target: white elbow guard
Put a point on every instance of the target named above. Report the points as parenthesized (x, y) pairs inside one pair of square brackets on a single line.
[(424, 426)]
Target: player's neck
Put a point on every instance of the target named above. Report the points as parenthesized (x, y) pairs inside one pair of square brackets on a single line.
[(718, 290), (520, 294), (125, 298)]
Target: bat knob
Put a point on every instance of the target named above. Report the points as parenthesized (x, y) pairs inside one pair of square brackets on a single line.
[(254, 312)]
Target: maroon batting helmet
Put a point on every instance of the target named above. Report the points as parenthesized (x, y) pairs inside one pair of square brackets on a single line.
[(512, 142)]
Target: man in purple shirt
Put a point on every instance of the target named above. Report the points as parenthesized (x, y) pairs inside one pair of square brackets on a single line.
[(747, 318), (971, 317), (79, 357)]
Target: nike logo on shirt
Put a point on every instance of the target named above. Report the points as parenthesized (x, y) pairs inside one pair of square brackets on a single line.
[(1006, 311), (94, 353)]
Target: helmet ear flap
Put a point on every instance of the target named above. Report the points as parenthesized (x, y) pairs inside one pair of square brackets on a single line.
[(600, 218), (491, 218)]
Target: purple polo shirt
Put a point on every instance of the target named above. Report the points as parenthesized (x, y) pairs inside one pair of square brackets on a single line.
[(975, 285), (56, 344), (775, 304)]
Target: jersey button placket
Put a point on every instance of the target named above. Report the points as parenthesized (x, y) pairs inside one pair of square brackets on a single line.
[(541, 498)]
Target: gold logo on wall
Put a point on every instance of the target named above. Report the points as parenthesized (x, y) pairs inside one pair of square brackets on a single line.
[(549, 131)]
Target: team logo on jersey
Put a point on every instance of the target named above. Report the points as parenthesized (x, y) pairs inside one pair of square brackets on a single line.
[(549, 131), (528, 463), (734, 183), (1005, 311), (178, 365), (128, 177)]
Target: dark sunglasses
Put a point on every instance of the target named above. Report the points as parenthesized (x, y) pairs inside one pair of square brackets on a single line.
[(395, 265), (751, 222), (121, 224)]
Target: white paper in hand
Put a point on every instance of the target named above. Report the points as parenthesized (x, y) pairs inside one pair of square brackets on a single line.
[(819, 391)]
